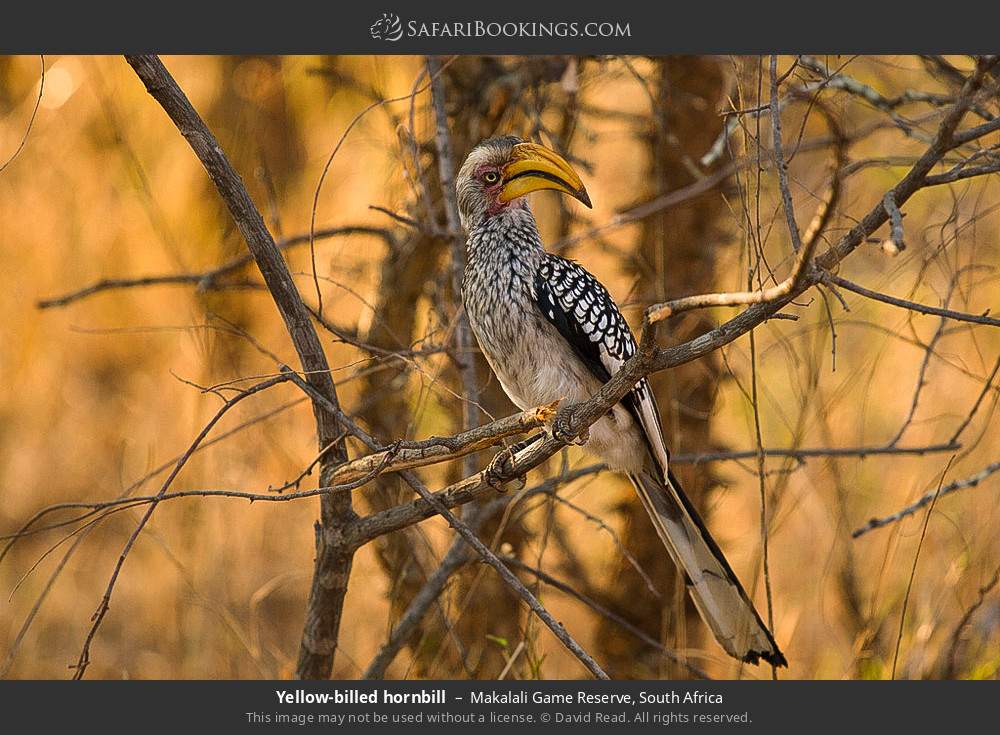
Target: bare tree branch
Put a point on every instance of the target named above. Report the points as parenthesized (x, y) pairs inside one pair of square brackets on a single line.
[(987, 387), (446, 169), (333, 559), (31, 118), (206, 280), (802, 245), (438, 507), (810, 452), (956, 634), (650, 358), (911, 305), (411, 454), (83, 661), (780, 165), (968, 482), (609, 614), (458, 555), (376, 521), (913, 569)]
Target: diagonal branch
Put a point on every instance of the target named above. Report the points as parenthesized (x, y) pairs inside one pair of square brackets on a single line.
[(333, 560), (406, 455), (437, 507), (607, 613), (83, 661), (923, 500), (456, 557), (958, 316)]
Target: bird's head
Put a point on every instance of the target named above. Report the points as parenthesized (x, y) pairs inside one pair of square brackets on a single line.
[(499, 172)]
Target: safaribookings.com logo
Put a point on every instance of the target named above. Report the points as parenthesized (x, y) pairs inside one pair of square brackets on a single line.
[(387, 28), (390, 28)]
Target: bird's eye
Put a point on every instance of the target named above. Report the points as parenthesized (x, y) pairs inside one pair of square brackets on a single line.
[(491, 177)]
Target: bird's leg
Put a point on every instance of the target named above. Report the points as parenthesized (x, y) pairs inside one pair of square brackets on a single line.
[(498, 472), (561, 428)]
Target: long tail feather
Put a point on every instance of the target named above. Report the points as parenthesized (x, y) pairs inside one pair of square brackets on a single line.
[(717, 592)]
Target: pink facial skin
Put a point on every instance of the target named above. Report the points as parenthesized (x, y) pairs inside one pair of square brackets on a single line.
[(493, 190)]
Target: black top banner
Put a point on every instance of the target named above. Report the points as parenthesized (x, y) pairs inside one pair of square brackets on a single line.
[(501, 27)]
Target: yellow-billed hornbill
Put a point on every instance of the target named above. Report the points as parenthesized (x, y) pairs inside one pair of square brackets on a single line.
[(551, 331)]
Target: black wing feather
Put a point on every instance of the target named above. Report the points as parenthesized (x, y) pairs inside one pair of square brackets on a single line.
[(570, 328), (586, 316)]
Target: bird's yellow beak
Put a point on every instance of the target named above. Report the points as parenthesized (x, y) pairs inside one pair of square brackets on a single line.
[(533, 167)]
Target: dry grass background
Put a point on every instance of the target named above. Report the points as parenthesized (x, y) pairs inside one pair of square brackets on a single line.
[(92, 395)]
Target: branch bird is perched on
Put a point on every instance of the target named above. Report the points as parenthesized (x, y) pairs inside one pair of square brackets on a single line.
[(551, 331)]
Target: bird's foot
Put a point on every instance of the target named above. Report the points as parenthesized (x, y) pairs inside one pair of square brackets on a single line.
[(499, 472), (562, 428)]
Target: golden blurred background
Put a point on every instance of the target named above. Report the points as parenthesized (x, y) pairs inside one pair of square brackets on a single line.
[(101, 392)]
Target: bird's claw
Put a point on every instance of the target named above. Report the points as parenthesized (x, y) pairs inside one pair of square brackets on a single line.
[(498, 472), (562, 429)]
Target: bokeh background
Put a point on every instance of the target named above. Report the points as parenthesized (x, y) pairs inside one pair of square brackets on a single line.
[(97, 395)]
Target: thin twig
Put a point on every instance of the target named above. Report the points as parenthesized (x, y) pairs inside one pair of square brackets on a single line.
[(972, 481), (761, 485), (457, 556), (779, 159), (205, 280), (910, 305), (326, 169), (802, 274), (963, 623), (921, 382), (31, 119), (987, 387), (83, 661), (913, 568), (808, 452), (896, 242), (959, 174), (611, 615)]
